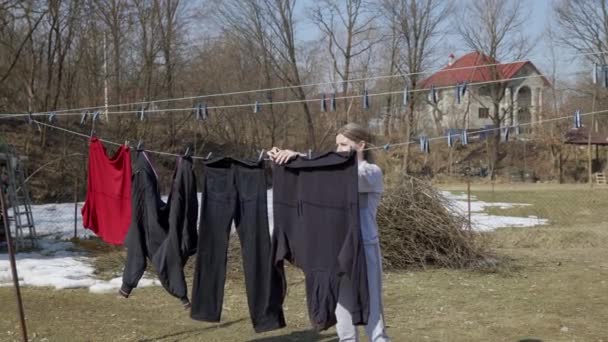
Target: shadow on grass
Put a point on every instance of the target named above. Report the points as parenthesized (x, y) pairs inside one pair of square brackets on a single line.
[(179, 335), (299, 336)]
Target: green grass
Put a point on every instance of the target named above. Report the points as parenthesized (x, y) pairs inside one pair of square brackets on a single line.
[(554, 277)]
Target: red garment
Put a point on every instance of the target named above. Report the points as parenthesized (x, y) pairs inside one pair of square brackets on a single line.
[(107, 207)]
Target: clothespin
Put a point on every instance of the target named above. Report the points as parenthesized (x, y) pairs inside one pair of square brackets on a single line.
[(427, 146), (365, 99), (208, 155), (187, 152), (505, 134), (386, 147), (140, 145), (83, 118), (142, 113), (323, 107), (595, 73), (96, 116), (332, 103), (256, 107), (463, 89), (465, 138), (405, 95), (51, 118), (422, 143), (201, 111), (578, 123), (126, 143), (262, 152), (457, 92), (433, 95), (309, 154)]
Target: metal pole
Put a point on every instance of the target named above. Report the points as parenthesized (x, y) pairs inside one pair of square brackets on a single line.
[(11, 255)]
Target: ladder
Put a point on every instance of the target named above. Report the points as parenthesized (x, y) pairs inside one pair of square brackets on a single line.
[(20, 212), (600, 178)]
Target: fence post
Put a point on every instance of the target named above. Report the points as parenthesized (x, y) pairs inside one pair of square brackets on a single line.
[(11, 255)]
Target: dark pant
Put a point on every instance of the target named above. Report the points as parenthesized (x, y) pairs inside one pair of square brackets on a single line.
[(236, 190), (317, 228)]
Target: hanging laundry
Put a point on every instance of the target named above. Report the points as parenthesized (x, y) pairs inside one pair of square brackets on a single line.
[(578, 123), (365, 99), (595, 73), (465, 138), (107, 206), (256, 107), (449, 135), (313, 197), (517, 130), (458, 92), (236, 190), (164, 233), (52, 118), (332, 103), (405, 95), (463, 89), (605, 74)]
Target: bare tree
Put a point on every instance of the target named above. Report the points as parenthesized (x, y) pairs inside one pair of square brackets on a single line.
[(117, 18), (494, 28), (583, 26), (419, 24), (270, 25), (349, 29)]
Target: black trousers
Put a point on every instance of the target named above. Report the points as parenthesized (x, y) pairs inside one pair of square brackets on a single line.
[(236, 190), (317, 228)]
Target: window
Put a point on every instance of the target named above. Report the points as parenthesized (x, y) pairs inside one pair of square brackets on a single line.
[(484, 113)]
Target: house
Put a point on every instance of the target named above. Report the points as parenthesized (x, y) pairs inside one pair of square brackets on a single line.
[(521, 103)]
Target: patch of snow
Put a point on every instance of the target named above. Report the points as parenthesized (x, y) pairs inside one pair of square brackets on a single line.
[(481, 221)]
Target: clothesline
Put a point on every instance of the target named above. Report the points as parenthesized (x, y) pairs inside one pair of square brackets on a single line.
[(288, 87), (259, 104), (385, 146)]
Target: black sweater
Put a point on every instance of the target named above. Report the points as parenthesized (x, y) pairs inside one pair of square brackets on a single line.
[(163, 232)]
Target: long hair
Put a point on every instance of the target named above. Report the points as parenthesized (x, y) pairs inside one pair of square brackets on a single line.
[(358, 133)]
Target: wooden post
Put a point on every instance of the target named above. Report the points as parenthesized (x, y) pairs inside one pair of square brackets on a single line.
[(75, 207), (589, 129), (11, 255)]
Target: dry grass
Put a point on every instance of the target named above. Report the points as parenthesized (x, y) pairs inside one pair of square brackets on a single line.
[(553, 288)]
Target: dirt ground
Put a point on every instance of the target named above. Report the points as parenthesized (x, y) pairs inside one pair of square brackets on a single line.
[(552, 285)]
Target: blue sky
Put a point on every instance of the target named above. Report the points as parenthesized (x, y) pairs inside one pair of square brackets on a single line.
[(540, 12)]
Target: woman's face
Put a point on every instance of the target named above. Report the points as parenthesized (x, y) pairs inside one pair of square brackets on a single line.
[(343, 144)]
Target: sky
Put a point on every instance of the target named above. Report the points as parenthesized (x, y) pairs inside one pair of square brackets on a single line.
[(540, 12)]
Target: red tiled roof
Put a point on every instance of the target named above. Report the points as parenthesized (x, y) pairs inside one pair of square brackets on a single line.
[(461, 71)]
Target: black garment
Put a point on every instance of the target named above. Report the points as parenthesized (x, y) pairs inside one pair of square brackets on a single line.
[(316, 228), (164, 232), (235, 189)]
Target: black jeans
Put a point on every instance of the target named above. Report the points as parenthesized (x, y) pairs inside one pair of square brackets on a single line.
[(236, 190)]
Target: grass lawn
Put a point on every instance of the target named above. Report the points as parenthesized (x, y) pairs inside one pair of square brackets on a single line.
[(553, 286)]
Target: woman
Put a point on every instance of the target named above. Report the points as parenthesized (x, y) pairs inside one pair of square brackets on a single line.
[(353, 136)]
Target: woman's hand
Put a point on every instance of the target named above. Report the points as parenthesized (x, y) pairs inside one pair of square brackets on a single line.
[(282, 156)]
